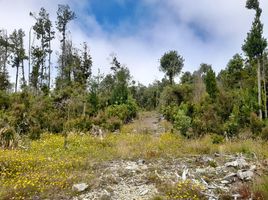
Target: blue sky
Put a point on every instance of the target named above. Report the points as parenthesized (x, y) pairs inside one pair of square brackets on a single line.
[(139, 32)]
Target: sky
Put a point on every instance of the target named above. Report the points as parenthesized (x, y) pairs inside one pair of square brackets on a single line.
[(139, 32)]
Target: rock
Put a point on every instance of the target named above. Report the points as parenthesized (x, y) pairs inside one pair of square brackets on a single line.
[(80, 187), (225, 182), (207, 159), (144, 192), (239, 162), (230, 177), (245, 175), (141, 162), (184, 174)]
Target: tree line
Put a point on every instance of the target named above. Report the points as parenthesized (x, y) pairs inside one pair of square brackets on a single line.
[(230, 103)]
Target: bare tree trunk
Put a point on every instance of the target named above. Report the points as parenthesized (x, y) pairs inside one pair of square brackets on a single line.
[(49, 62), (264, 87), (5, 62), (17, 74), (259, 88), (23, 75)]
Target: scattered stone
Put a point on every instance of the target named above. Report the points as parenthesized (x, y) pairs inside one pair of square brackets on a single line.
[(245, 175), (80, 187), (141, 162), (144, 192), (239, 162)]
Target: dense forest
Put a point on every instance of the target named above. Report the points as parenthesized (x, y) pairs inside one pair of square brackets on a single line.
[(230, 105)]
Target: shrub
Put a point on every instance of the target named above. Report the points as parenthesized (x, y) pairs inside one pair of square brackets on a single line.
[(182, 122), (83, 124), (217, 139), (113, 124), (256, 124), (264, 133), (8, 138), (124, 112)]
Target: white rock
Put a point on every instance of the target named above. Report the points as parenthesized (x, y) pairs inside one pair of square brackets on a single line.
[(240, 162), (80, 187), (245, 175)]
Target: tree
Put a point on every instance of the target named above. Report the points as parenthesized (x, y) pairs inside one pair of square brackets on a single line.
[(171, 63), (44, 32), (255, 44), (4, 54), (211, 84), (64, 16), (82, 71), (18, 54)]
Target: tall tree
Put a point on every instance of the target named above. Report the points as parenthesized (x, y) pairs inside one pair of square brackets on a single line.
[(4, 54), (171, 63), (44, 32), (211, 84), (18, 54), (255, 44), (64, 16)]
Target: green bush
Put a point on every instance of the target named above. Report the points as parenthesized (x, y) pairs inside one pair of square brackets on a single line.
[(264, 133), (217, 139), (83, 124), (182, 122), (113, 124), (124, 112), (256, 124)]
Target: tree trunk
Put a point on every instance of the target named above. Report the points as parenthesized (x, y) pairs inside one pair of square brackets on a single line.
[(264, 87), (259, 88), (5, 62), (63, 51), (17, 74), (23, 75), (49, 61)]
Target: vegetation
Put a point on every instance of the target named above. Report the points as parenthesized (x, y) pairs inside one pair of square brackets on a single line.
[(209, 112)]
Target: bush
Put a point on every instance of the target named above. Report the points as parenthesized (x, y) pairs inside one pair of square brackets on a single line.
[(113, 124), (83, 124), (124, 112), (256, 124), (264, 133), (182, 122), (8, 137), (217, 139)]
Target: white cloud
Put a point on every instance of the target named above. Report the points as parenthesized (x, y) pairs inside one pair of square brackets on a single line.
[(175, 26)]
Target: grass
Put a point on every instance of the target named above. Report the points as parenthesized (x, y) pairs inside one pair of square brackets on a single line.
[(48, 170)]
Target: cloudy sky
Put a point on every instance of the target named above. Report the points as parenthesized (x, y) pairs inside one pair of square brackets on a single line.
[(139, 32)]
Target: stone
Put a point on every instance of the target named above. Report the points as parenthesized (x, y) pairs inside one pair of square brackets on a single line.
[(144, 192), (239, 162), (245, 175), (80, 187)]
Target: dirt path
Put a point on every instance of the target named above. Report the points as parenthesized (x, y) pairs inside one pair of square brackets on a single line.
[(140, 179), (151, 123)]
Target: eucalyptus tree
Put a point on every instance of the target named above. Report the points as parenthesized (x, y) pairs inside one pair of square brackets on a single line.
[(44, 32), (255, 44), (18, 54), (64, 16), (4, 54)]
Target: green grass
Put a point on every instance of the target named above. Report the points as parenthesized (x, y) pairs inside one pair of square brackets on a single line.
[(48, 170)]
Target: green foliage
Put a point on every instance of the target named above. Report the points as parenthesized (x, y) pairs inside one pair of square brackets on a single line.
[(182, 122), (255, 43), (256, 124), (124, 112), (211, 84), (80, 124), (264, 133), (171, 63), (217, 139)]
